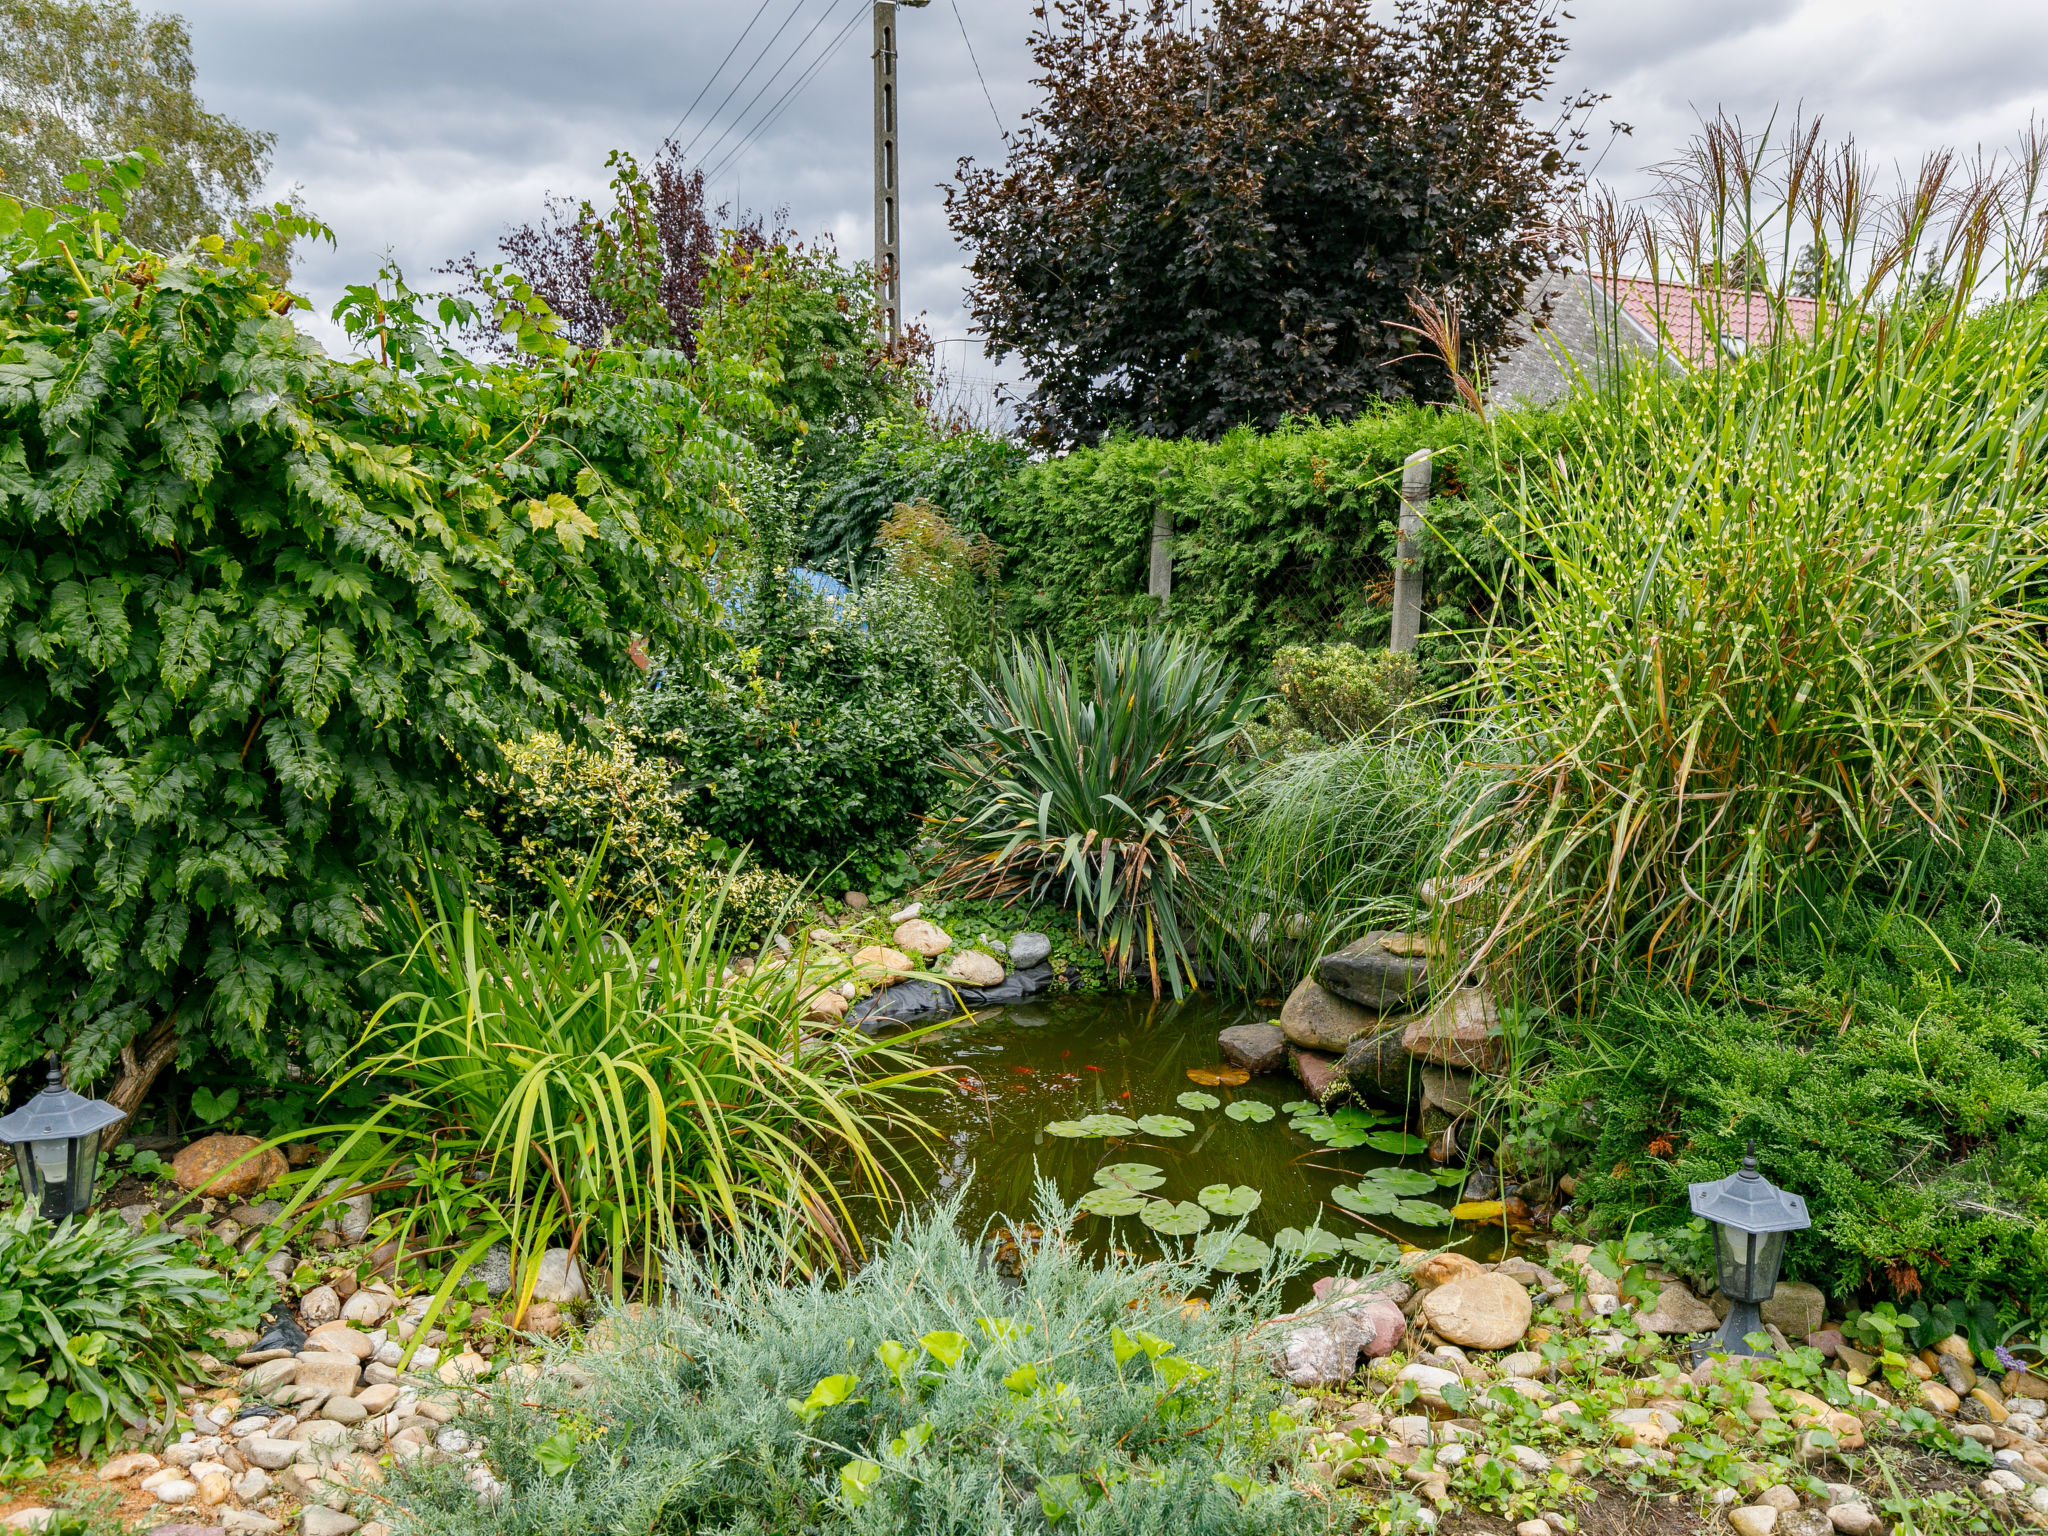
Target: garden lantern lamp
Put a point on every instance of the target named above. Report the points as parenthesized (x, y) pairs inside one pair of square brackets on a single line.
[(1751, 1217), (56, 1141)]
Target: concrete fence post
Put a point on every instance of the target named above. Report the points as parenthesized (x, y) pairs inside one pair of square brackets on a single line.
[(1159, 583), (1408, 552)]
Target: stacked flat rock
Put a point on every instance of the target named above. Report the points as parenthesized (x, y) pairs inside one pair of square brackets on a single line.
[(1384, 971)]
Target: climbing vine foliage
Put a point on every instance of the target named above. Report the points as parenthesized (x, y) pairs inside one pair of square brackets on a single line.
[(265, 614)]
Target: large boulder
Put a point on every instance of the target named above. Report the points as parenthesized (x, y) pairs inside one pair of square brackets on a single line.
[(1255, 1047), (1796, 1307), (1678, 1311), (1316, 1019), (204, 1167), (975, 969), (1461, 1030), (1379, 1068), (1028, 948), (1386, 972), (1482, 1311), (923, 938)]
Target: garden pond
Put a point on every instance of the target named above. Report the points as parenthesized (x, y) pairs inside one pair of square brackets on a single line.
[(1126, 1105)]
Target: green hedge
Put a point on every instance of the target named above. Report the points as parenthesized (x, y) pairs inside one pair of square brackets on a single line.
[(1279, 538)]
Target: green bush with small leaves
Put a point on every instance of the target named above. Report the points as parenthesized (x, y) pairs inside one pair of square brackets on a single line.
[(1326, 694), (96, 1325)]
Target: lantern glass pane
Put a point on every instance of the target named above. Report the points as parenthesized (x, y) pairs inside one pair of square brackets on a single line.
[(87, 1166), (1748, 1262), (1770, 1254), (31, 1176)]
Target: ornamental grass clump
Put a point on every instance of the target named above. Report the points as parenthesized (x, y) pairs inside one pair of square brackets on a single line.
[(1784, 601), (1100, 795), (927, 1393), (620, 1091)]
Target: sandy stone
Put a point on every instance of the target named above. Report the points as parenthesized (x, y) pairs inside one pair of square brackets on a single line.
[(377, 1399), (200, 1167), (318, 1520), (1678, 1311), (134, 1464), (1318, 1020), (466, 1366), (343, 1410), (214, 1488), (975, 969), (320, 1432), (560, 1279), (1442, 1268), (826, 1007), (879, 965), (34, 1518), (175, 1490), (252, 1485), (1779, 1497), (919, 937), (1994, 1410), (1796, 1307), (1385, 972), (1753, 1520), (367, 1307), (338, 1339), (1255, 1047), (249, 1522), (1479, 1311), (1853, 1519), (322, 1304), (1461, 1030), (1525, 1364), (1956, 1347), (268, 1454)]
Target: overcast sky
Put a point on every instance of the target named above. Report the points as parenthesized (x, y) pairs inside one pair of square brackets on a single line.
[(424, 128)]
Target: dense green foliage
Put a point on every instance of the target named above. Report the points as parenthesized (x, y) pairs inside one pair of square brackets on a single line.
[(97, 1323), (1782, 613), (966, 475), (927, 1393), (1897, 1081), (269, 614), (1279, 538), (1100, 793), (93, 79), (1324, 695), (615, 1092)]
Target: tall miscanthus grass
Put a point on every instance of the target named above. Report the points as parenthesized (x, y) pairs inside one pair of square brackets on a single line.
[(619, 1092), (1100, 794), (1784, 605)]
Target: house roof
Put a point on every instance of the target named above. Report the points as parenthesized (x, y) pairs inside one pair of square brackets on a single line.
[(1691, 321)]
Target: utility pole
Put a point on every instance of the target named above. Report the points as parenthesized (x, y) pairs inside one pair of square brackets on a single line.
[(1415, 475), (888, 232)]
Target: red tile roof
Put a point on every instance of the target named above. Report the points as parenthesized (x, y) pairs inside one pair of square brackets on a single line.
[(1694, 319)]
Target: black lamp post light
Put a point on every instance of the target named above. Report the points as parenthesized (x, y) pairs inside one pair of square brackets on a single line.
[(1751, 1216), (56, 1141)]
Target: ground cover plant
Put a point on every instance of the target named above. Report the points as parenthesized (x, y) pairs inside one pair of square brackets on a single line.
[(1100, 794), (928, 1392), (621, 1090), (1782, 622), (271, 612)]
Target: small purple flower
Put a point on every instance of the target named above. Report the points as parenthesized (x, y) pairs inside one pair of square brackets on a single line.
[(2007, 1359)]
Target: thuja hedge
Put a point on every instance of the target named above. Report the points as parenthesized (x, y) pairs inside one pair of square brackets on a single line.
[(1279, 538), (267, 615)]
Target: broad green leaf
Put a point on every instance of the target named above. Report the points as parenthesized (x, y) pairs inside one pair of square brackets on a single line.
[(1130, 1176), (1398, 1143), (857, 1480), (1175, 1220), (1164, 1125), (1251, 1110), (1226, 1201), (1402, 1181), (945, 1346), (83, 1408), (1023, 1381), (1372, 1248), (1236, 1255), (1312, 1244), (1112, 1200), (1366, 1199), (1196, 1100), (1422, 1214)]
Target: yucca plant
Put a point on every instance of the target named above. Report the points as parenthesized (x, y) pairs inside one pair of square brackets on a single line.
[(621, 1093), (1784, 604), (1100, 795)]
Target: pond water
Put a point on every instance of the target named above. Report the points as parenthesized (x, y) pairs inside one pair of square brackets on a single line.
[(1060, 1061)]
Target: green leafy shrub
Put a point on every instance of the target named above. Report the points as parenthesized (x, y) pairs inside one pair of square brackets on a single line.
[(814, 738), (97, 1325), (615, 820), (1326, 694), (269, 615), (1101, 796), (927, 1393), (903, 462), (619, 1091), (1898, 1083)]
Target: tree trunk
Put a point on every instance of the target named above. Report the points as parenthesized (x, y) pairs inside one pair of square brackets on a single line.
[(138, 1072)]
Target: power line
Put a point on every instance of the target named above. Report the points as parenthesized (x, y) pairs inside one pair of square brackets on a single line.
[(992, 112), (759, 11), (794, 12), (802, 43), (782, 102)]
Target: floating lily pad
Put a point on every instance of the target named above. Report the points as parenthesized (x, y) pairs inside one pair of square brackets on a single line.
[(1301, 1107), (1365, 1199), (1422, 1214), (1072, 1129), (1313, 1244), (1402, 1181), (1225, 1201), (1219, 1077), (1164, 1125), (1361, 1118), (1249, 1109), (1093, 1126), (1193, 1100), (1448, 1176), (1180, 1220), (1130, 1176), (1236, 1255), (1372, 1248), (1398, 1143), (1477, 1210), (1112, 1200)]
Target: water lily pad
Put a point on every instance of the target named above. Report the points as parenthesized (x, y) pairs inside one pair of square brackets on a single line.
[(1477, 1210), (1345, 1137), (1313, 1244), (1398, 1143), (1402, 1181), (1422, 1214), (1362, 1118), (1180, 1220), (1365, 1199), (1225, 1201), (1236, 1255), (1112, 1200), (1164, 1125), (1072, 1129), (1130, 1176), (1193, 1100), (1249, 1109), (1301, 1107), (1372, 1248), (1448, 1176), (1219, 1077), (1093, 1126)]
